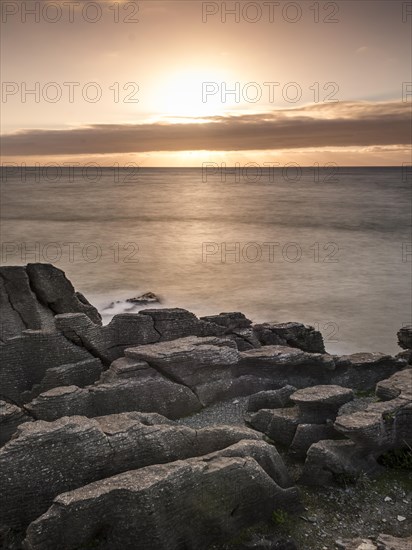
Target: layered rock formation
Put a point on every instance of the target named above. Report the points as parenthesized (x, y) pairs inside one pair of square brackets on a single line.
[(98, 448), (31, 296), (382, 426), (183, 504), (91, 456), (309, 421)]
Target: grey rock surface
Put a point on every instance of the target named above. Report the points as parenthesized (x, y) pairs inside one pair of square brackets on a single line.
[(405, 337), (11, 416), (271, 399), (190, 504), (73, 451), (296, 335)]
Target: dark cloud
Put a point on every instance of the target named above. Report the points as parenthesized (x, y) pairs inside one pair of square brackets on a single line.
[(323, 125)]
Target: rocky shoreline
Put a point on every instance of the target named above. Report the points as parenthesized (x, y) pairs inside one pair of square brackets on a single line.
[(166, 431)]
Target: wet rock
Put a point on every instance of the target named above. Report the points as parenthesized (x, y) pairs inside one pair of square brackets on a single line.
[(98, 448), (11, 417), (206, 500), (271, 399), (146, 298), (296, 335), (405, 337)]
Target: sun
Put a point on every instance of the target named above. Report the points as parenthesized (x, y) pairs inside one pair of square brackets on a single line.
[(193, 93)]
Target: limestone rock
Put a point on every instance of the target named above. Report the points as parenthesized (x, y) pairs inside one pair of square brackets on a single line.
[(270, 399), (147, 393), (109, 342), (378, 428), (382, 426), (54, 290), (190, 361), (146, 298), (328, 461), (225, 388), (245, 338), (62, 401), (229, 321), (78, 374), (25, 359), (399, 384), (191, 504), (278, 424), (286, 365), (387, 542), (48, 458), (309, 421), (405, 337), (11, 416), (362, 371), (296, 335), (319, 403), (176, 323), (126, 368), (20, 309), (383, 542), (308, 434)]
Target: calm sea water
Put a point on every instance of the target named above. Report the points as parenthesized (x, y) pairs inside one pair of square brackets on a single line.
[(329, 249)]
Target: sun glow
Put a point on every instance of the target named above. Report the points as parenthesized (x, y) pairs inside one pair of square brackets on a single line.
[(188, 94)]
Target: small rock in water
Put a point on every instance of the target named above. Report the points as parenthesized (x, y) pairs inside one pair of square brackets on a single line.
[(401, 518), (387, 499), (146, 298)]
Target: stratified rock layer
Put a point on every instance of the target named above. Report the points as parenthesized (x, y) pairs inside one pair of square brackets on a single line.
[(73, 451), (184, 504)]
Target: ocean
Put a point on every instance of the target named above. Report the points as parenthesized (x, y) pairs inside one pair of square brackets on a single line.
[(327, 247)]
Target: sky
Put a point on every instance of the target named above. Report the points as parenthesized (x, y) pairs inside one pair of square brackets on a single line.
[(179, 83)]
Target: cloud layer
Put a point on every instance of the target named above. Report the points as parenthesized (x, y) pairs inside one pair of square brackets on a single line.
[(321, 125)]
